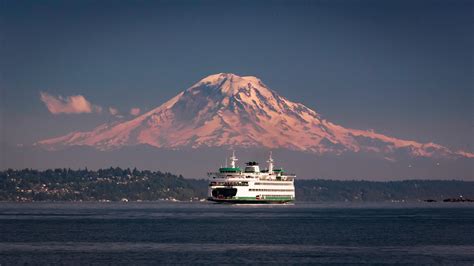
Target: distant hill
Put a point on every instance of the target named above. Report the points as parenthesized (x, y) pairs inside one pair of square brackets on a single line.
[(117, 184), (111, 184), (370, 191)]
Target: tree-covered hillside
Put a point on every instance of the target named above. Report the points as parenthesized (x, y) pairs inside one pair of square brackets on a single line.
[(112, 184), (370, 191), (116, 184)]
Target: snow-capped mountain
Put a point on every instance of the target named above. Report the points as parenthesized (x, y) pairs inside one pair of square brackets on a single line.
[(226, 110)]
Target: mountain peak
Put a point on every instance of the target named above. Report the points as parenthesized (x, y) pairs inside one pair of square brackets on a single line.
[(231, 77), (230, 84)]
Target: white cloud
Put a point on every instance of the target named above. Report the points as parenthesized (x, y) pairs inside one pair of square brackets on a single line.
[(75, 104), (113, 111), (135, 111)]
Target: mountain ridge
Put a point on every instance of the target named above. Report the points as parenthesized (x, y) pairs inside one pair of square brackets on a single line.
[(226, 110)]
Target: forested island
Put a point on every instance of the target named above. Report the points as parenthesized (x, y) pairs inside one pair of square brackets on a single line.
[(117, 184)]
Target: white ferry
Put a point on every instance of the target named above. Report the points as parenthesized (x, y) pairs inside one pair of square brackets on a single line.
[(251, 185)]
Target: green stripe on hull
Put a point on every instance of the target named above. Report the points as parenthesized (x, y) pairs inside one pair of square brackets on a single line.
[(254, 200), (264, 198)]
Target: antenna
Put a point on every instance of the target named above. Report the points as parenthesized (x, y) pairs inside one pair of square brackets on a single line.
[(270, 163)]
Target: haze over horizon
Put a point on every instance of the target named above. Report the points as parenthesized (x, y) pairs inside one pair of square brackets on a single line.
[(400, 68)]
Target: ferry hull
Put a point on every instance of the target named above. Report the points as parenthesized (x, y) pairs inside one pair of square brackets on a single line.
[(251, 201)]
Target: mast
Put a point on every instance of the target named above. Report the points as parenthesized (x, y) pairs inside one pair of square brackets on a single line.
[(233, 159), (270, 164)]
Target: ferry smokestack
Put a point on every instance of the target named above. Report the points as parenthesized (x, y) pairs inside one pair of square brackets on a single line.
[(270, 164), (233, 159)]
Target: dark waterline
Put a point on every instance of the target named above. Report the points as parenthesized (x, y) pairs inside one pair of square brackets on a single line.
[(150, 233)]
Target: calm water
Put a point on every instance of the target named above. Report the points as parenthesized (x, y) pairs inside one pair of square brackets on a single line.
[(151, 233)]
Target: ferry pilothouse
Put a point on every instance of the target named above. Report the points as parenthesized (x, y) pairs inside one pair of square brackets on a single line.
[(251, 185)]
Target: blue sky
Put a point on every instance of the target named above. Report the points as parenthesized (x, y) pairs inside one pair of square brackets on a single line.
[(402, 68)]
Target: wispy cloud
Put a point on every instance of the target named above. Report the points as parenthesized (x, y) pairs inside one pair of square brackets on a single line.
[(135, 111), (75, 104), (113, 111)]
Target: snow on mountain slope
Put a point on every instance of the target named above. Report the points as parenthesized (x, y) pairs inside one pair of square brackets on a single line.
[(226, 110)]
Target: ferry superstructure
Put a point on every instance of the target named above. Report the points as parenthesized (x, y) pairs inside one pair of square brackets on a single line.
[(232, 184)]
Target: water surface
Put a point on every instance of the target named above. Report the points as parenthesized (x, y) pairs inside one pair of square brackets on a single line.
[(163, 232)]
